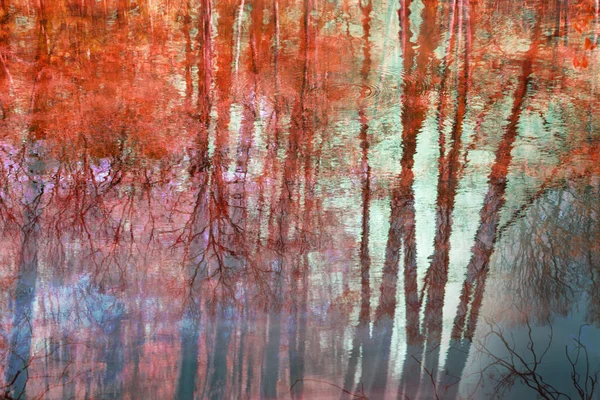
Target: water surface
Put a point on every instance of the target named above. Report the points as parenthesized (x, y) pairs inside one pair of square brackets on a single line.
[(244, 199)]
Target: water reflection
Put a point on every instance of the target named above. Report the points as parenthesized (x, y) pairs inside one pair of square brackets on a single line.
[(275, 199)]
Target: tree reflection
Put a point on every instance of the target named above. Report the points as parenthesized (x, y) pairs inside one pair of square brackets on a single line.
[(207, 199)]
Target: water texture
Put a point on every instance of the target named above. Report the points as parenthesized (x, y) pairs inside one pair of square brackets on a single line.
[(299, 199)]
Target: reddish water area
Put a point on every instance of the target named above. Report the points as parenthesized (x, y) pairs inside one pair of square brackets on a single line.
[(299, 199)]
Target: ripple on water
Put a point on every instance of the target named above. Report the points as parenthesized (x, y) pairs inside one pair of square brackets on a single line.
[(377, 94), (345, 91)]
